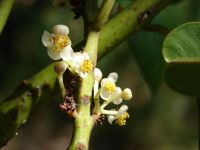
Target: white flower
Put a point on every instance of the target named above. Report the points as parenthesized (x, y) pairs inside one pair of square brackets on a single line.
[(116, 98), (120, 117), (81, 64), (108, 87), (127, 94), (58, 43)]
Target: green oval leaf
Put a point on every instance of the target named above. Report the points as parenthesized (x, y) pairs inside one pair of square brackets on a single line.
[(181, 51)]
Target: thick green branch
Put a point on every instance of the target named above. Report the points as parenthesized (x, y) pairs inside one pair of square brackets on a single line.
[(5, 8), (37, 91), (30, 95), (103, 14), (128, 21)]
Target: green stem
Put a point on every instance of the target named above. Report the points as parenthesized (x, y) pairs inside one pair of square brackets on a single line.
[(103, 14), (61, 83), (5, 8), (127, 22), (84, 122), (96, 109), (83, 125)]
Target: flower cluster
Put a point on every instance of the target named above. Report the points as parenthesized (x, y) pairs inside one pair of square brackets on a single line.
[(110, 93), (59, 47)]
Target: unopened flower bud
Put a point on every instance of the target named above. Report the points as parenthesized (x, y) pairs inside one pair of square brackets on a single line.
[(127, 94), (123, 109), (61, 29), (111, 119), (60, 67), (97, 74)]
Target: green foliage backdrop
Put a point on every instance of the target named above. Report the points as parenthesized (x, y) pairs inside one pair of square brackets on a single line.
[(162, 119)]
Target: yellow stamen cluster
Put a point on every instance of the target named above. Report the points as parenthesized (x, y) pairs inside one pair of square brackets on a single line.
[(121, 120), (110, 86), (60, 41), (87, 66)]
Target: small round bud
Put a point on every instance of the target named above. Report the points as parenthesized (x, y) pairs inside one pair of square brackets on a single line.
[(60, 67), (127, 94), (123, 109), (97, 74), (61, 29)]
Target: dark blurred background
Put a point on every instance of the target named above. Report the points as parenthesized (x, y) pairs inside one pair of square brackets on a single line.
[(161, 119)]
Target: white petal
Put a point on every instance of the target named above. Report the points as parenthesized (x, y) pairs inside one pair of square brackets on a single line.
[(117, 96), (123, 109), (95, 87), (66, 53), (76, 69), (104, 94), (97, 74), (117, 101), (111, 119), (61, 29), (103, 81), (78, 58), (118, 91), (85, 55), (69, 43), (83, 75), (113, 76), (53, 54), (46, 39)]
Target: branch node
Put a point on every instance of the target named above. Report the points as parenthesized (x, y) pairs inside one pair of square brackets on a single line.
[(80, 146), (85, 99)]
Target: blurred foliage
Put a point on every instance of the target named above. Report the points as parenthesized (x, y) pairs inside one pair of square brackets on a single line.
[(124, 3), (146, 49), (162, 120)]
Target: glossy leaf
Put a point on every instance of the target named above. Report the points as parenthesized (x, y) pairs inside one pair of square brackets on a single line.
[(181, 51)]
